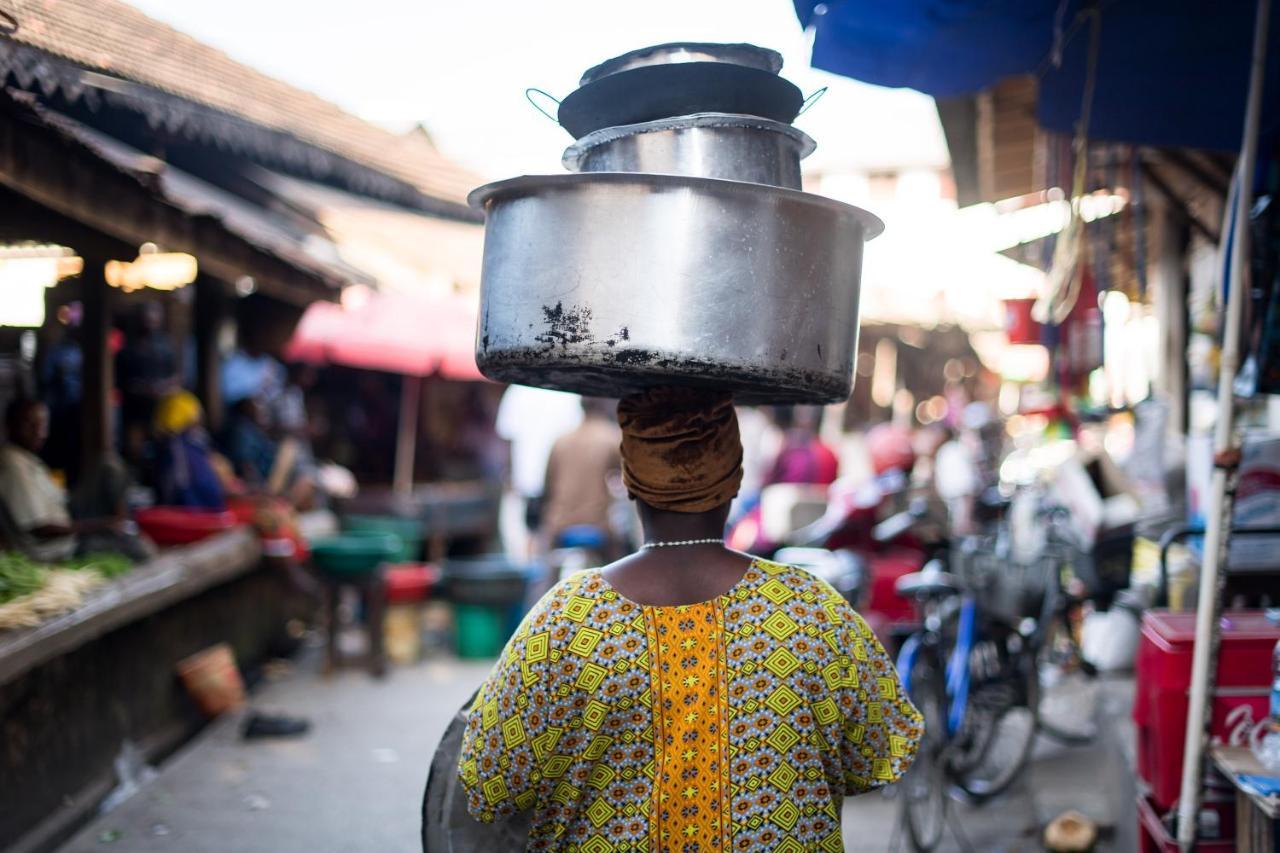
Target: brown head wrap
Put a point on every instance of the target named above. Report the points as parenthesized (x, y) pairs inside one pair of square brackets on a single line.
[(680, 448)]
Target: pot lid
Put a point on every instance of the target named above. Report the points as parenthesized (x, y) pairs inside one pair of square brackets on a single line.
[(684, 51)]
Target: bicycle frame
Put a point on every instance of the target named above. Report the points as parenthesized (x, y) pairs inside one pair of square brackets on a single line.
[(957, 667)]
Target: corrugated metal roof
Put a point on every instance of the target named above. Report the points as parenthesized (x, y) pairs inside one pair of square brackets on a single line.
[(112, 38)]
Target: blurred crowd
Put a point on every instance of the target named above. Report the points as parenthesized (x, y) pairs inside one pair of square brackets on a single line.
[(565, 487), (55, 502)]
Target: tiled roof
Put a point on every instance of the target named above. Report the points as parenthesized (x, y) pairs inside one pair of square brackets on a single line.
[(115, 39)]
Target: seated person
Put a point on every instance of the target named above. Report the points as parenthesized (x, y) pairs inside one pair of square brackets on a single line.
[(249, 449), (185, 472), (35, 504)]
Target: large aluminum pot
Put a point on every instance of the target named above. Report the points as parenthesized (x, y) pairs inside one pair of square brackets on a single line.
[(706, 145), (606, 283)]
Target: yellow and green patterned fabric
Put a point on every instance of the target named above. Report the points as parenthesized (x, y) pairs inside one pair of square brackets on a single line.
[(731, 725)]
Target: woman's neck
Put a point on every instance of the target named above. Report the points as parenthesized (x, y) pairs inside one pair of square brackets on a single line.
[(677, 527)]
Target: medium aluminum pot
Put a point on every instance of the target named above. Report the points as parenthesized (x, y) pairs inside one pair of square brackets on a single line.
[(706, 145), (607, 283)]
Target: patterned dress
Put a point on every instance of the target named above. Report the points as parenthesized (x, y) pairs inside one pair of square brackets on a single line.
[(730, 725)]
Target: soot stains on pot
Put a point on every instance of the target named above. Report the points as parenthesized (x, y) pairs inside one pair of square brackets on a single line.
[(633, 357), (617, 372), (564, 328), (623, 334)]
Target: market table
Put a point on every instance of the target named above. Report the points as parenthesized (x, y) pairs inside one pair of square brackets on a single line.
[(1257, 816), (174, 574), (80, 686)]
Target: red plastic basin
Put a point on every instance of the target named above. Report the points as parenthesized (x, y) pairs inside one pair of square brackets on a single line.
[(409, 582), (175, 525)]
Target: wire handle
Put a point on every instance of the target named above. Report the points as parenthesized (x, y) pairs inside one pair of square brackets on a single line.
[(811, 100), (528, 96)]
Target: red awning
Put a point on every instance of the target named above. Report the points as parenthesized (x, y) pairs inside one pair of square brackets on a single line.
[(395, 332)]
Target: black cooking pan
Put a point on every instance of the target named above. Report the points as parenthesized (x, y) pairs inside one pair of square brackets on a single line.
[(446, 826), (653, 92)]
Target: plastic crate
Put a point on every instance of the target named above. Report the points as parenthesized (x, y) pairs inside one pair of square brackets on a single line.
[(1154, 836), (1163, 676)]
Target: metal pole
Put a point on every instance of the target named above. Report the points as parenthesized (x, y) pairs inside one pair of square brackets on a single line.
[(407, 436), (1218, 533)]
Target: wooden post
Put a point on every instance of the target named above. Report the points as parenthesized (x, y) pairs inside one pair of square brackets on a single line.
[(99, 363), (407, 437), (210, 317), (1217, 539), (1170, 286)]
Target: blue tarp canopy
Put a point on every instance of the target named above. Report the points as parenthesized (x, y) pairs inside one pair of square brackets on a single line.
[(1170, 72)]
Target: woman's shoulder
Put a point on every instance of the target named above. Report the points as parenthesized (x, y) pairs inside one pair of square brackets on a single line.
[(581, 601), (776, 580)]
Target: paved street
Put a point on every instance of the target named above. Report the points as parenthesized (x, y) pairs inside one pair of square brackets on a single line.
[(354, 784)]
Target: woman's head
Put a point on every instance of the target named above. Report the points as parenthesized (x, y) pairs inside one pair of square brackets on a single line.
[(681, 452), (177, 412)]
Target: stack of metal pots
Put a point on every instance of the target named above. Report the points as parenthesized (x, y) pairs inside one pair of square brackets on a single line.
[(680, 249)]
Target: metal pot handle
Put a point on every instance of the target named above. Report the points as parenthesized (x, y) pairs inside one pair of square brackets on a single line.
[(528, 96), (811, 100)]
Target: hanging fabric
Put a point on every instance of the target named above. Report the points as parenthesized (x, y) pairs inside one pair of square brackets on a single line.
[(1063, 284)]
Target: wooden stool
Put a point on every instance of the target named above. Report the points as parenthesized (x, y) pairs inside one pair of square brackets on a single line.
[(371, 587)]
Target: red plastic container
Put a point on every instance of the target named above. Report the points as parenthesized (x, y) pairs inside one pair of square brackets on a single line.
[(175, 525), (1163, 674), (410, 582), (894, 610), (1018, 325)]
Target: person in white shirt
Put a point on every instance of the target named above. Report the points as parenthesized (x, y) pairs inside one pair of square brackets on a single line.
[(34, 502), (531, 420)]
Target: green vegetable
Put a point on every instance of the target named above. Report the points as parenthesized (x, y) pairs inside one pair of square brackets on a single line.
[(108, 565), (19, 576)]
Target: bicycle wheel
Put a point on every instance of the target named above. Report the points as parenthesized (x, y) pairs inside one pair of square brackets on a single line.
[(924, 787), (1066, 689), (1002, 732)]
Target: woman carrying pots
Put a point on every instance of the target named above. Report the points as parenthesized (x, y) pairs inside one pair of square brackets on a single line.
[(687, 697)]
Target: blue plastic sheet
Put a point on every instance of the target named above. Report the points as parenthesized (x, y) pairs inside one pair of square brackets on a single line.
[(1170, 72)]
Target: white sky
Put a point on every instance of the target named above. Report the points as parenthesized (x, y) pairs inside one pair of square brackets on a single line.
[(461, 67)]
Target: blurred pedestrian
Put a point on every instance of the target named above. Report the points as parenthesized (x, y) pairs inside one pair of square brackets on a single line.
[(803, 458), (578, 471), (530, 420), (146, 370), (61, 386), (761, 444)]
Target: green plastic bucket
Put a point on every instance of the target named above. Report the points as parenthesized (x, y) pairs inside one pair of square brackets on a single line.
[(354, 553), (408, 530), (481, 630)]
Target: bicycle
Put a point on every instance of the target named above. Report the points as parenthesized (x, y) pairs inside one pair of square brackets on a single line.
[(976, 670)]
